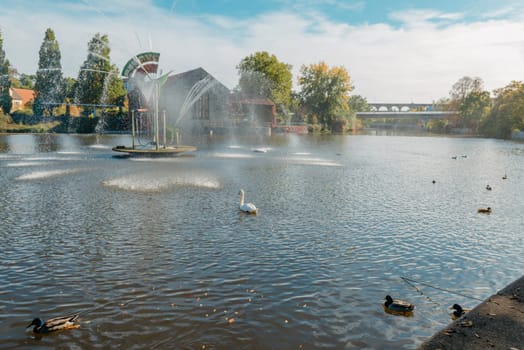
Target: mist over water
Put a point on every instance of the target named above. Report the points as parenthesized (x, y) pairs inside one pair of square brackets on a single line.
[(155, 253)]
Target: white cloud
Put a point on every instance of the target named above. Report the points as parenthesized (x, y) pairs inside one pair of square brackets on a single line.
[(502, 12), (417, 61), (414, 18)]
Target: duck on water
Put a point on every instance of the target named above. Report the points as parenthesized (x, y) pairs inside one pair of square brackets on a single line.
[(398, 307), (484, 210), (54, 324)]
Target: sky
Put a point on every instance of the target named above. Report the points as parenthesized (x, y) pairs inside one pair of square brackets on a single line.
[(394, 51)]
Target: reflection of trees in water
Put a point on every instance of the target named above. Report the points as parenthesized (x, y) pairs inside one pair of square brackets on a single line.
[(46, 143), (4, 146)]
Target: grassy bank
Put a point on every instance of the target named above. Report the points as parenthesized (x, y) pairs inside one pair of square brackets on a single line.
[(7, 125)]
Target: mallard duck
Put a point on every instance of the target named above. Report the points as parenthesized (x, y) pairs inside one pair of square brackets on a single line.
[(396, 305), (54, 324), (484, 210), (249, 208), (459, 311)]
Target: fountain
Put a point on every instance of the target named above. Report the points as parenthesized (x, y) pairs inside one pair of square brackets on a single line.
[(143, 81), (194, 94)]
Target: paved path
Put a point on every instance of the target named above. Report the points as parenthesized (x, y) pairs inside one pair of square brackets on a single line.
[(496, 323)]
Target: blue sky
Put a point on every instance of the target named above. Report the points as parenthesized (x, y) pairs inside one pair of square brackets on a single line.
[(356, 12), (406, 50)]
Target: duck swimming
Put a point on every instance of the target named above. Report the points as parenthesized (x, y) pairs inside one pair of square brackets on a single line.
[(54, 324), (399, 307), (249, 208), (484, 210), (459, 311)]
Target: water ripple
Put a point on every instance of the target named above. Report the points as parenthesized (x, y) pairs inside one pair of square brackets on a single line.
[(149, 183), (155, 254), (46, 174)]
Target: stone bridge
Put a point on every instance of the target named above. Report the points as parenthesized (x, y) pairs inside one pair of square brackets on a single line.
[(406, 115), (404, 111), (400, 107)]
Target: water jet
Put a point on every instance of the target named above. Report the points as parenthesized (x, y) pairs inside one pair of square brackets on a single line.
[(143, 83)]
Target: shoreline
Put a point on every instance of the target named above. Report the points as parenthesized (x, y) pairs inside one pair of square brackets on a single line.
[(496, 323)]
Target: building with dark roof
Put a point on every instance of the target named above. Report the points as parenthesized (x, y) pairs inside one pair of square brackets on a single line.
[(195, 101)]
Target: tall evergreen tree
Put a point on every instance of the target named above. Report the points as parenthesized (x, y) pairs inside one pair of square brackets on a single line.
[(95, 73), (6, 101), (49, 84)]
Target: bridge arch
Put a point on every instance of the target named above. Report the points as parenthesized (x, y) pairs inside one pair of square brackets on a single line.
[(400, 107)]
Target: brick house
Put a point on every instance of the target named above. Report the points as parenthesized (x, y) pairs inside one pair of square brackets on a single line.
[(22, 98)]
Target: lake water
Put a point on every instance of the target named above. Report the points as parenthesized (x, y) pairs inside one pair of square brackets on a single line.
[(156, 255)]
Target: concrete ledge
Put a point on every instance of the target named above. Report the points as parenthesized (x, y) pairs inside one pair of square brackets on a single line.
[(496, 323)]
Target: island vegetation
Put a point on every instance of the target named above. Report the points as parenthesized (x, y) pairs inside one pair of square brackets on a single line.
[(323, 98)]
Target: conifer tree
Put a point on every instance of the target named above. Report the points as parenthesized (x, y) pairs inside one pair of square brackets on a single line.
[(49, 84), (6, 101), (95, 72)]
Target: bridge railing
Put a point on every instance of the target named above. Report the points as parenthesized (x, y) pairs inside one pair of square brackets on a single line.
[(406, 115)]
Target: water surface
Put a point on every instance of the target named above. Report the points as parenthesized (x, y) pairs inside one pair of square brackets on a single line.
[(156, 255)]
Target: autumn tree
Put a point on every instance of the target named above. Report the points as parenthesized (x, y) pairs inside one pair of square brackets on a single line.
[(6, 102), (262, 74), (507, 113), (475, 108), (472, 102), (442, 104), (464, 87), (324, 92), (49, 84), (358, 103), (440, 125)]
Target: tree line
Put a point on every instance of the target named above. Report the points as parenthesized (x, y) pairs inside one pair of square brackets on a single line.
[(323, 98), (497, 114), (97, 81)]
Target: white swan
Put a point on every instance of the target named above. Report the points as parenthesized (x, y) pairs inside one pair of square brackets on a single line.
[(249, 208)]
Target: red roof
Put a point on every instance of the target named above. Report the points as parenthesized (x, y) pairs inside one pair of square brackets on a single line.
[(24, 95)]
